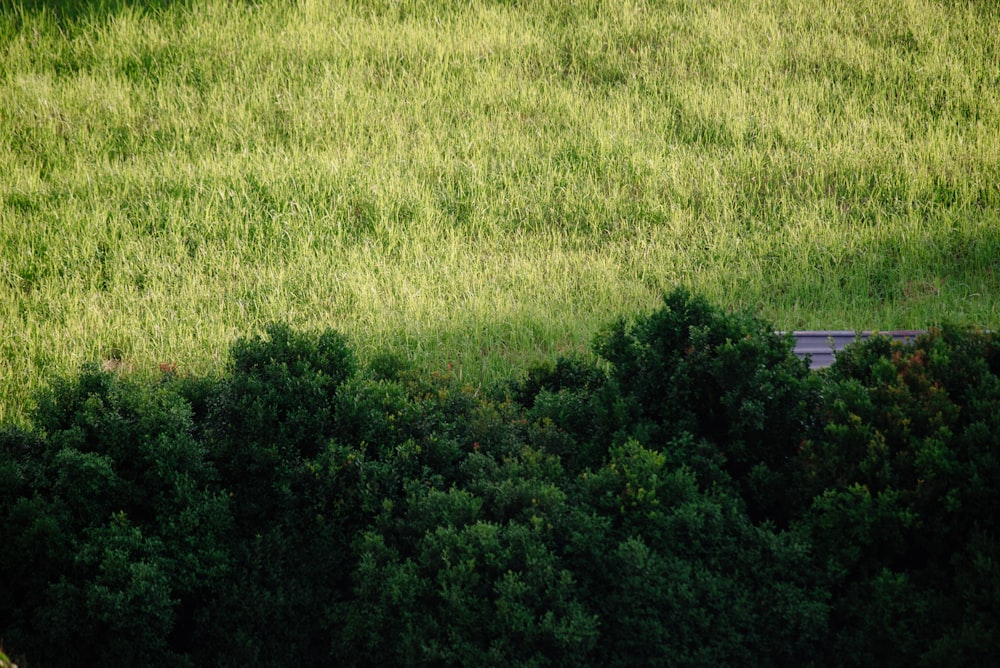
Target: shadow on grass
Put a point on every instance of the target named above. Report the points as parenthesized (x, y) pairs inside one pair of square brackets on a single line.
[(65, 13), (958, 265)]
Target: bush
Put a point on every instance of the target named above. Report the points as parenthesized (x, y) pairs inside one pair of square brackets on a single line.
[(695, 497), (725, 379), (119, 520), (281, 391), (905, 467)]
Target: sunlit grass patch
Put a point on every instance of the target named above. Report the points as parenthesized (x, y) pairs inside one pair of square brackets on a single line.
[(484, 181)]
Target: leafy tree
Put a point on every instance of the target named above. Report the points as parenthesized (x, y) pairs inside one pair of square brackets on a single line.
[(688, 579), (695, 497), (724, 378), (905, 465), (122, 520)]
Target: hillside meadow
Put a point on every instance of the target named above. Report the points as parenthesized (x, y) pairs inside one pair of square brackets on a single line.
[(483, 184)]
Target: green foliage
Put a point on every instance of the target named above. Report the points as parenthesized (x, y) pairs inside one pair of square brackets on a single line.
[(908, 457), (122, 520), (282, 389), (723, 378), (676, 550), (471, 593), (565, 408), (696, 497)]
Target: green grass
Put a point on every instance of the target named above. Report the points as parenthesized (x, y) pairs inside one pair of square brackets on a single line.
[(484, 183)]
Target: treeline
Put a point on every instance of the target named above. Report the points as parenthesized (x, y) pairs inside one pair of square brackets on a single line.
[(691, 495)]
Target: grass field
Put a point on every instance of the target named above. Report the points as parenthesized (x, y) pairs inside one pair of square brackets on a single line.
[(484, 183)]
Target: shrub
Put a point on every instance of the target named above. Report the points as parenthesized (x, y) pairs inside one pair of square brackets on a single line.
[(122, 520), (696, 498), (281, 390), (726, 378), (905, 466)]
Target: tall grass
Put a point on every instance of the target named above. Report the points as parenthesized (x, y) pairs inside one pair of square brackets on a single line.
[(483, 183)]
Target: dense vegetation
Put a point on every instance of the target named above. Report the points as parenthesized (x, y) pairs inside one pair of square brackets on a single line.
[(691, 495), (484, 182)]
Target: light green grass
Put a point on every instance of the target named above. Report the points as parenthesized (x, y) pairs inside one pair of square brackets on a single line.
[(484, 184)]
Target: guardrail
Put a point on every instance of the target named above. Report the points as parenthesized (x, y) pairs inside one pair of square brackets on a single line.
[(824, 345)]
